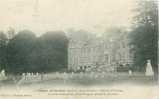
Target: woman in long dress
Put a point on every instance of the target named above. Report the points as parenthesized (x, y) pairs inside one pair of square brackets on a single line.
[(149, 70)]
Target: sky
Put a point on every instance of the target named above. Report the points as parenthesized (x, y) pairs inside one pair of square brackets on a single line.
[(40, 16)]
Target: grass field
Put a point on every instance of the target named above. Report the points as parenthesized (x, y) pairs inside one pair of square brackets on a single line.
[(84, 79)]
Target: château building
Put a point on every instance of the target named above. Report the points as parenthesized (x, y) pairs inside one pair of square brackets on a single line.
[(87, 51)]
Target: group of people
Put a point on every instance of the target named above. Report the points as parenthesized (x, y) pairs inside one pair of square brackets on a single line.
[(33, 76), (40, 76), (65, 75)]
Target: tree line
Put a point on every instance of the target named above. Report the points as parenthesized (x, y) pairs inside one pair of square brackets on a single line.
[(27, 53)]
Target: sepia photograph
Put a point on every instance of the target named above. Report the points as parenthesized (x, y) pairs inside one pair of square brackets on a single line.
[(74, 49)]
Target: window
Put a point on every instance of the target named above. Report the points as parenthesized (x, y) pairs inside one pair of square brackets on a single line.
[(106, 58)]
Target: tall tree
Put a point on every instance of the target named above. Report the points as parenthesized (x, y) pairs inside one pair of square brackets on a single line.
[(3, 42), (144, 34), (52, 51), (18, 49)]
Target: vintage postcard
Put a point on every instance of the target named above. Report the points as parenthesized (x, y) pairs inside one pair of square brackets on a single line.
[(79, 49)]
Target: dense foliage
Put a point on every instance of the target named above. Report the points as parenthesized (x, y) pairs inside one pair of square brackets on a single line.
[(144, 34), (27, 53), (3, 44)]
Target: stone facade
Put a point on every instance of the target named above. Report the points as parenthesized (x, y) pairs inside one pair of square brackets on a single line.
[(87, 52)]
